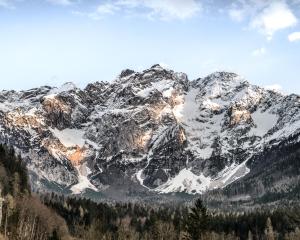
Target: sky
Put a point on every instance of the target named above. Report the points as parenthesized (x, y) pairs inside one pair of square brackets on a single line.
[(50, 42)]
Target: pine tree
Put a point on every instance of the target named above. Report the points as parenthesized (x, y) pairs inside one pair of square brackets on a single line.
[(197, 223), (54, 236)]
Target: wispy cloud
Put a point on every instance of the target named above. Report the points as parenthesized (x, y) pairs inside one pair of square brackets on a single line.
[(241, 10), (275, 17), (259, 52), (100, 12), (237, 14), (107, 8), (267, 17), (7, 4), (172, 9), (293, 37), (61, 2), (152, 9)]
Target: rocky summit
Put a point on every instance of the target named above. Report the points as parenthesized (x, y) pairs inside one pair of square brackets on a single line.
[(156, 131)]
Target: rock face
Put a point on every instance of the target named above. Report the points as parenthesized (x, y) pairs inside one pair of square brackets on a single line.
[(154, 129)]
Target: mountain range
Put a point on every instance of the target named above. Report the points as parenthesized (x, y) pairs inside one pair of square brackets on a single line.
[(157, 132)]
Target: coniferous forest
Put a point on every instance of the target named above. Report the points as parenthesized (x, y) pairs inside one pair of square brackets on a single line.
[(27, 215)]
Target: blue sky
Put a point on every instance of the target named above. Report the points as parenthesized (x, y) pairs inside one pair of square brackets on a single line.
[(56, 41)]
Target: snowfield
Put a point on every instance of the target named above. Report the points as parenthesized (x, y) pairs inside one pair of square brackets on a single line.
[(154, 127), (70, 137)]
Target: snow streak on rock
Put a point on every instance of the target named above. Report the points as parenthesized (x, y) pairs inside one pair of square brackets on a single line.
[(154, 128)]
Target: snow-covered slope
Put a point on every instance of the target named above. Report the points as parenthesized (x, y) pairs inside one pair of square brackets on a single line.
[(155, 129)]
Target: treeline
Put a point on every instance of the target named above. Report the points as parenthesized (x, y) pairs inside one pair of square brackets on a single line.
[(22, 215), (89, 220)]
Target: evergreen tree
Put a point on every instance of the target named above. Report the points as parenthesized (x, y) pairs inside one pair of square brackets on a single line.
[(54, 236), (197, 223)]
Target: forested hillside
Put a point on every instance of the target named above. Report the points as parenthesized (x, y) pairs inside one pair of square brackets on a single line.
[(22, 215), (90, 220), (26, 215)]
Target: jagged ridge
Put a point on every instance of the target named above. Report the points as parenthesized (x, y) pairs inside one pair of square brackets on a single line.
[(153, 129)]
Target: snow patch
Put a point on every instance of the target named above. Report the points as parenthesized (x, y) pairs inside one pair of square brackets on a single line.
[(70, 137), (163, 86), (186, 181), (200, 126), (264, 121), (64, 88), (230, 174), (83, 181), (139, 177), (285, 132), (4, 107)]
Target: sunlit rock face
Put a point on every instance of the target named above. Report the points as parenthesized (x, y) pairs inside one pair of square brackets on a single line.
[(57, 112), (154, 129), (239, 116)]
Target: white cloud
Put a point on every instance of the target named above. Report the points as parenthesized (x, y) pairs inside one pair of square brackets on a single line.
[(275, 17), (172, 9), (7, 4), (295, 2), (237, 14), (61, 2), (266, 16), (259, 52), (274, 87), (129, 3), (295, 36), (241, 10), (92, 15), (161, 9), (100, 12), (107, 8)]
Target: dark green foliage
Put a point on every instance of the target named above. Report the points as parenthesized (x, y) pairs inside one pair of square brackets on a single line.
[(197, 223), (54, 236), (276, 164), (13, 172), (23, 215), (58, 215), (147, 221)]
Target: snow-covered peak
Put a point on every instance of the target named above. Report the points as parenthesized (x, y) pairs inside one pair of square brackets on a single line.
[(178, 135), (155, 78), (126, 73), (157, 67), (66, 87), (227, 77), (219, 84)]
